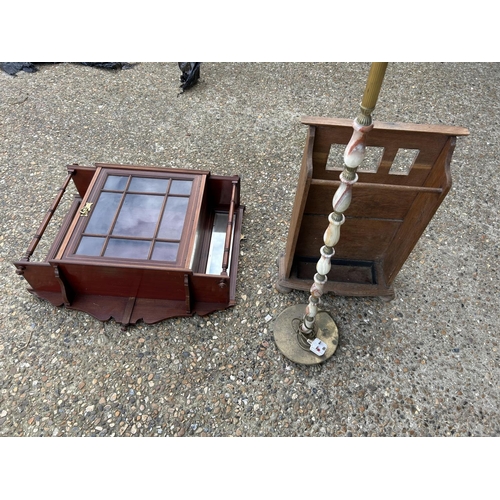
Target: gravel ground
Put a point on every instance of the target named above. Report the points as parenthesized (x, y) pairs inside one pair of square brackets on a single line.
[(425, 364)]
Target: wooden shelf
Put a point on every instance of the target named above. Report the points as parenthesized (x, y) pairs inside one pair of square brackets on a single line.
[(134, 244)]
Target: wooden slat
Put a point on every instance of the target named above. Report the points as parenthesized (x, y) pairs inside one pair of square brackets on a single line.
[(229, 231), (399, 126), (371, 185), (373, 202), (142, 169), (48, 216), (362, 239)]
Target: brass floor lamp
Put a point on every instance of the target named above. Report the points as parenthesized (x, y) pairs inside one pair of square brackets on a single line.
[(302, 333)]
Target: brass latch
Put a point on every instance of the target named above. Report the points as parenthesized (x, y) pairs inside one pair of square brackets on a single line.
[(84, 212)]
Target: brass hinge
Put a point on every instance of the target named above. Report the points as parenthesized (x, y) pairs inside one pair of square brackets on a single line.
[(84, 212)]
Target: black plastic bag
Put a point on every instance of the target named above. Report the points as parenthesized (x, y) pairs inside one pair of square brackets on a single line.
[(190, 74), (12, 68), (107, 65)]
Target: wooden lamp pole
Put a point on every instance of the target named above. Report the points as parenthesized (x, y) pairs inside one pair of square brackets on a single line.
[(321, 339)]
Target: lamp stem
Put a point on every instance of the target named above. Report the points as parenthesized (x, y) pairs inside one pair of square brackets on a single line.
[(353, 156)]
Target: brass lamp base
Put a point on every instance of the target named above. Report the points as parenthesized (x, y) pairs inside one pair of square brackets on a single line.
[(289, 343)]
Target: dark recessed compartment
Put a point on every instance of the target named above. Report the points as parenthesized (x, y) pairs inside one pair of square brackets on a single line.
[(141, 243)]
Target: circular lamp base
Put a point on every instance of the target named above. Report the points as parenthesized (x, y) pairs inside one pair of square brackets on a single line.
[(285, 335)]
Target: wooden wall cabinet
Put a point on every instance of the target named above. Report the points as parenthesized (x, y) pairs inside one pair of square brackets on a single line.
[(402, 181), (144, 243)]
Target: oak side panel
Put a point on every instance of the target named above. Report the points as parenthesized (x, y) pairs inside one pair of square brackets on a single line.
[(420, 214), (301, 196)]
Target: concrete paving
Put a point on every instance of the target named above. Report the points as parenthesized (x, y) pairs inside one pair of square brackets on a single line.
[(425, 364)]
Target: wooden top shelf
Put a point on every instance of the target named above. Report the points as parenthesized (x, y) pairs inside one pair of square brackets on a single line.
[(407, 127)]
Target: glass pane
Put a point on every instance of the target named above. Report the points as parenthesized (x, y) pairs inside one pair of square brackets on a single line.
[(90, 245), (181, 187), (103, 213), (127, 249), (173, 218), (138, 215), (147, 185), (165, 251), (116, 182)]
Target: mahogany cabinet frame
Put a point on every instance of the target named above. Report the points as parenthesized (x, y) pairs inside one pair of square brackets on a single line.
[(132, 289)]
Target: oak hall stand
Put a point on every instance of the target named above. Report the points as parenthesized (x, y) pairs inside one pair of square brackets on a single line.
[(404, 178)]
